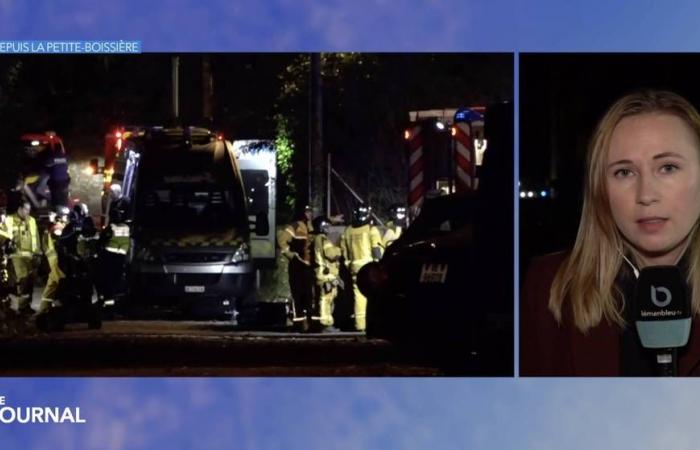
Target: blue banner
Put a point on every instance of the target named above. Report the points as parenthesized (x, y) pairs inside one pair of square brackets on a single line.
[(71, 47)]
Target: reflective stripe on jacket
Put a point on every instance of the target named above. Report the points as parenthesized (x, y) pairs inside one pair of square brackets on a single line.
[(119, 239), (25, 234)]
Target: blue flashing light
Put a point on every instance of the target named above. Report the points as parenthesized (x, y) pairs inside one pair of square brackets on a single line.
[(467, 115)]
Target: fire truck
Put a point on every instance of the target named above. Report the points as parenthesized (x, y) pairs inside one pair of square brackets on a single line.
[(445, 151)]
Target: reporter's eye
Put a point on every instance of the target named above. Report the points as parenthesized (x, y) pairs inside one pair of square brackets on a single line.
[(669, 168), (622, 173)]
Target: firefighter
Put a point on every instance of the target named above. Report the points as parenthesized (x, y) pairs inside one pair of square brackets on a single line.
[(80, 219), (58, 221), (395, 226), (77, 245), (117, 203), (55, 168), (83, 232), (295, 244), (115, 240), (5, 241), (7, 315), (327, 269), (24, 256), (360, 244)]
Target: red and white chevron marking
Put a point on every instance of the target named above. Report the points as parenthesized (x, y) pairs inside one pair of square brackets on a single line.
[(465, 158), (416, 167)]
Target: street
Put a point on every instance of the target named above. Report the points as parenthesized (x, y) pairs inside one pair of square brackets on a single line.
[(211, 348)]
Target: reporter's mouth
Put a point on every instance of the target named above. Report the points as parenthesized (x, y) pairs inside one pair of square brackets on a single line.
[(651, 224)]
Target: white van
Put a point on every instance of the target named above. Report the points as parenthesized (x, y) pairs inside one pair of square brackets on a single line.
[(191, 245)]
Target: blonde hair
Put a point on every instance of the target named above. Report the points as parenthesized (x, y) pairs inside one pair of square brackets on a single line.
[(586, 278)]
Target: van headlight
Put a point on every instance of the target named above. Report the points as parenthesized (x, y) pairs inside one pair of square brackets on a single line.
[(241, 254)]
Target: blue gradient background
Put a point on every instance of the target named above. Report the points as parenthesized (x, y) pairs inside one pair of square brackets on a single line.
[(294, 25), (360, 413)]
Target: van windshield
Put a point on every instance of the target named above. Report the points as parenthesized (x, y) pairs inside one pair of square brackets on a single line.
[(187, 192)]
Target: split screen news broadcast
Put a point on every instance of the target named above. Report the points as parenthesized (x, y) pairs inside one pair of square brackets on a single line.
[(199, 214), (350, 214)]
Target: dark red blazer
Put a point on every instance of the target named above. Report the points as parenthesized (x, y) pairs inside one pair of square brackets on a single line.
[(551, 349)]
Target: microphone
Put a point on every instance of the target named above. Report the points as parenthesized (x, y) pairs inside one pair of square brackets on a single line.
[(663, 314)]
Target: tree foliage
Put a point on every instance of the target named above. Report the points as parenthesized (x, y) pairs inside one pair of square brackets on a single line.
[(286, 191), (366, 101)]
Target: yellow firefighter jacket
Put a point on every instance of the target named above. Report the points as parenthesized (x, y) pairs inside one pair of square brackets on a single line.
[(295, 240), (25, 235), (357, 245), (392, 233), (327, 258)]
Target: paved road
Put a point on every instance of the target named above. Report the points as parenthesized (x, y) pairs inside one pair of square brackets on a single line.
[(167, 348), (85, 187)]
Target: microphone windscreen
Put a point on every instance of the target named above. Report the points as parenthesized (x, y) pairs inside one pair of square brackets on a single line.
[(663, 316)]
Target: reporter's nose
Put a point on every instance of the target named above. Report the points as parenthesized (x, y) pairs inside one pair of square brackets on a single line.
[(647, 190)]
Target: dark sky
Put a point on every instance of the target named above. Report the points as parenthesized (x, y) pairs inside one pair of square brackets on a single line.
[(83, 93), (562, 97)]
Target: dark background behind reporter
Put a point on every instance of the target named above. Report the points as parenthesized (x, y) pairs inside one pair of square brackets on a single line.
[(562, 97)]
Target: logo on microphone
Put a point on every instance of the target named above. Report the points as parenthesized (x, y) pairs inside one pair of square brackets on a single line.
[(666, 299)]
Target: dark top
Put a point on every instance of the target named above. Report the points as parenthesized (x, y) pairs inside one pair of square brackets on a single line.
[(55, 164), (548, 348), (119, 210)]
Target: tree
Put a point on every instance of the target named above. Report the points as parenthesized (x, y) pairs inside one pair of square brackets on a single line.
[(366, 102)]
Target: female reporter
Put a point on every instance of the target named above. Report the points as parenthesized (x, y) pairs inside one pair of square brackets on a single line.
[(641, 208)]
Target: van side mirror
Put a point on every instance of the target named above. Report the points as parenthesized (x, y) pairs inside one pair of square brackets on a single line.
[(262, 225)]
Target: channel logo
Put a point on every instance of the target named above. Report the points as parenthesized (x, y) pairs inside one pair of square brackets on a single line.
[(667, 297)]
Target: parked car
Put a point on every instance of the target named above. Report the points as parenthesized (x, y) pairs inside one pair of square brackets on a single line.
[(444, 289)]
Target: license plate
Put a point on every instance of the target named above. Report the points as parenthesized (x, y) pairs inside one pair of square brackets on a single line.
[(433, 273), (194, 289)]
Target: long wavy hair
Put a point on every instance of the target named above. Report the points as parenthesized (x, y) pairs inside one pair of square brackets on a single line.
[(586, 279)]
